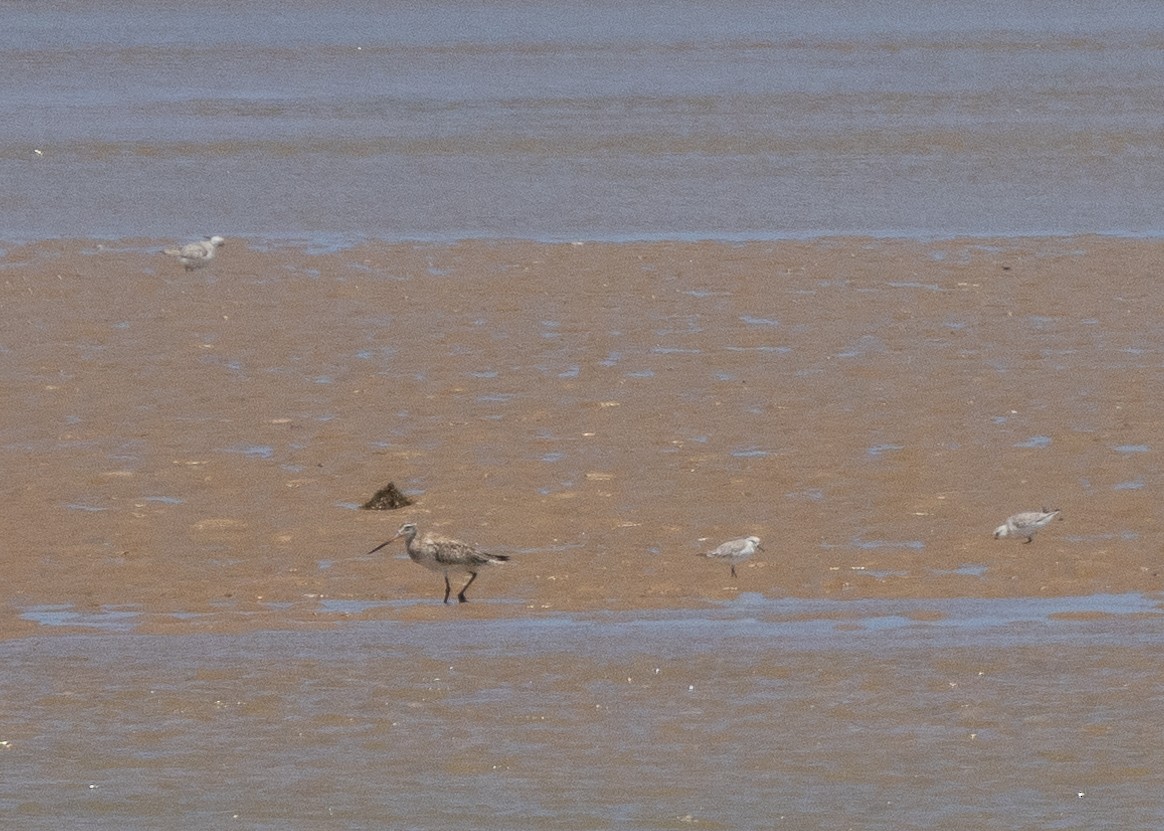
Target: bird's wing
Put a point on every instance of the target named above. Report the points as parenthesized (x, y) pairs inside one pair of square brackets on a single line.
[(454, 552), (197, 250), (728, 549), (1026, 518)]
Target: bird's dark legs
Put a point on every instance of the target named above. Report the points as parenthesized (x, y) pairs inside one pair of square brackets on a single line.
[(449, 589), (461, 597), (733, 569)]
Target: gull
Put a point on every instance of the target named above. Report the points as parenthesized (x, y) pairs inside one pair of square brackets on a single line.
[(196, 254), (444, 555), (1025, 524), (736, 551)]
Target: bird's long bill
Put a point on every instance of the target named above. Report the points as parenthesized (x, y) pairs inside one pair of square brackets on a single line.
[(381, 545)]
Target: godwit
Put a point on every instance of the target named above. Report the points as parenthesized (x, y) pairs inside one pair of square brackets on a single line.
[(1025, 524), (736, 551), (196, 254), (444, 555)]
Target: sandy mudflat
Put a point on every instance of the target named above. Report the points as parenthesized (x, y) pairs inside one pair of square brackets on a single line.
[(193, 446)]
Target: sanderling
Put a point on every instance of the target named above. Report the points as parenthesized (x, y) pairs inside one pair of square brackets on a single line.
[(736, 551), (196, 254), (1025, 524), (445, 556)]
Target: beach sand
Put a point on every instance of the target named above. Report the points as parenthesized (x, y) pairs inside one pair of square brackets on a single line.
[(195, 446)]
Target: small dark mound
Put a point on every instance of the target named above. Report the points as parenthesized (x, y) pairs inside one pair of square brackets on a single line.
[(388, 498)]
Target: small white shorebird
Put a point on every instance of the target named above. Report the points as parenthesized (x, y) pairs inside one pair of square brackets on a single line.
[(736, 551), (444, 555), (1025, 524), (196, 254)]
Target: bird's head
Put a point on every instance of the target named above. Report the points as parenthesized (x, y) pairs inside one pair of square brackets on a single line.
[(407, 530)]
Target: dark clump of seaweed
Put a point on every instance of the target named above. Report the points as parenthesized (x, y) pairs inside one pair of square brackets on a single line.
[(388, 498)]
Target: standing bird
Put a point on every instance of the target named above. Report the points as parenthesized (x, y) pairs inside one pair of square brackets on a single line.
[(1025, 524), (196, 254), (444, 555), (736, 551)]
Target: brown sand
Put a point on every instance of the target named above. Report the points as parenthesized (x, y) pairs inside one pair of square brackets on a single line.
[(602, 412)]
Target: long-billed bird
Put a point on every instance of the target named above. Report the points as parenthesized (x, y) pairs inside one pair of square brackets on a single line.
[(444, 555)]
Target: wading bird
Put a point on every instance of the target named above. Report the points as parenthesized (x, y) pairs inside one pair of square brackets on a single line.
[(196, 254), (1025, 524), (736, 551), (444, 555)]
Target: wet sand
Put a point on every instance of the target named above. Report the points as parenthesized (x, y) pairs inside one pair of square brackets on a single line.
[(192, 447), (193, 636)]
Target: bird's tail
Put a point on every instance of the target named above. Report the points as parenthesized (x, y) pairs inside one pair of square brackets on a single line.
[(499, 558), (173, 252)]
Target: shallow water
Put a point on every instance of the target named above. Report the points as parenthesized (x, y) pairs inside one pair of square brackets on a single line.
[(792, 620), (1001, 714), (552, 120)]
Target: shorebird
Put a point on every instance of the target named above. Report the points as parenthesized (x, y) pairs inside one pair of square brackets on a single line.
[(736, 551), (196, 254), (1025, 524), (444, 555)]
